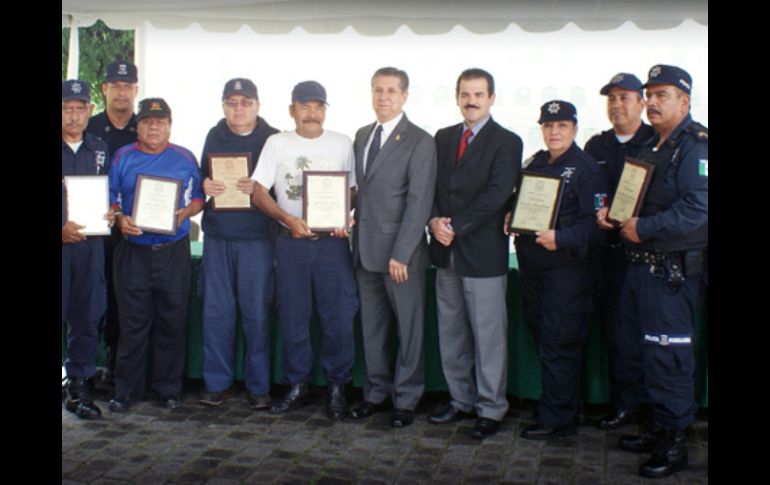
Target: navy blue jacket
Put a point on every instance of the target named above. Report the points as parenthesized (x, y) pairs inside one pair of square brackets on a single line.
[(610, 154), (576, 230), (244, 225), (100, 126), (92, 158)]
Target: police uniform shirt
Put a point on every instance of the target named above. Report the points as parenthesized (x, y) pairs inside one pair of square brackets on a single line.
[(91, 158), (115, 138), (610, 153)]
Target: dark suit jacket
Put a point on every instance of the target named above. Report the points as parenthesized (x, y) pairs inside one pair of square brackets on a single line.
[(394, 198), (475, 193)]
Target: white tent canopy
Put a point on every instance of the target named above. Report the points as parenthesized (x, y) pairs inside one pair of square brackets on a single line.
[(380, 17)]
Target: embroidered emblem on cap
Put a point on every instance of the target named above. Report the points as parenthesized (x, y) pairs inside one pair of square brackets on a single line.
[(238, 85), (554, 108), (655, 71), (155, 106), (685, 84), (76, 88), (616, 79), (122, 69)]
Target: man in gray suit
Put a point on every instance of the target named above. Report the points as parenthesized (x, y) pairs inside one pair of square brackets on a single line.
[(396, 174)]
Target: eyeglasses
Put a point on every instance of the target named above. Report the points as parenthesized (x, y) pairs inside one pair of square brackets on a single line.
[(245, 103)]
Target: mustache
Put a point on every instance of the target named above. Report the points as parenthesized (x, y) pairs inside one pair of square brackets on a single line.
[(470, 105), (310, 120), (652, 111)]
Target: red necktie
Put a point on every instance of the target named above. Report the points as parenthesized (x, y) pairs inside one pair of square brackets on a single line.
[(463, 144)]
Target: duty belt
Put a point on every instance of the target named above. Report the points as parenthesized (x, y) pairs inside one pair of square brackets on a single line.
[(639, 256)]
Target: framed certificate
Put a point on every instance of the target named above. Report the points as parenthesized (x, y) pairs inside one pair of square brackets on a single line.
[(228, 168), (537, 203), (632, 185), (325, 200), (155, 204), (88, 200)]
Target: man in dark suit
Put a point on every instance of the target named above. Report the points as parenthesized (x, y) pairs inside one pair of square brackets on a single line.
[(478, 163), (396, 174)]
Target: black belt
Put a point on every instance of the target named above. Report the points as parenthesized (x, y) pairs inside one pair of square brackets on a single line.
[(287, 232), (156, 247), (640, 256)]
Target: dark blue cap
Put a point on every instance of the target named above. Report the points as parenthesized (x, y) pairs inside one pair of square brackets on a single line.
[(240, 85), (623, 80), (663, 74), (156, 107), (557, 110), (121, 71), (308, 91), (75, 89)]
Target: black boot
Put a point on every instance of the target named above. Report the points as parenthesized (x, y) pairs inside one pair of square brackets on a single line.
[(669, 456), (645, 442), (79, 399), (336, 402), (298, 395)]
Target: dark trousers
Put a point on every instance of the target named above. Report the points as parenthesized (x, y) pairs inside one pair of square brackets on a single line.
[(236, 275), (153, 289), (322, 267), (82, 303), (665, 319), (623, 344), (110, 327), (556, 301)]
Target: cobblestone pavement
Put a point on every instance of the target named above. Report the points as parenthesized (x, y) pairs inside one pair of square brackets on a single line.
[(231, 444)]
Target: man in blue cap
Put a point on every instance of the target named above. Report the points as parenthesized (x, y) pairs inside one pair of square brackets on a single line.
[(665, 246), (116, 125), (82, 258), (237, 268), (309, 264), (625, 104)]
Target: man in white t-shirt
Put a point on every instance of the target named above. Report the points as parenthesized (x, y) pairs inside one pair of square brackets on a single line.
[(309, 263)]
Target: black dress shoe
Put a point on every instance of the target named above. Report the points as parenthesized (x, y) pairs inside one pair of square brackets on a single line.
[(619, 418), (364, 409), (298, 396), (645, 442), (121, 404), (669, 456), (484, 428), (542, 432), (79, 400), (401, 418), (449, 414), (170, 402), (336, 402)]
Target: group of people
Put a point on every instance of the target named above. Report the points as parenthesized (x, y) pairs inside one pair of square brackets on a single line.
[(417, 199)]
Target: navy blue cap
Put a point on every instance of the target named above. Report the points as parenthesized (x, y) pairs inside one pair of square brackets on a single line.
[(156, 107), (663, 74), (308, 91), (557, 110), (240, 85), (121, 71), (75, 89), (623, 80)]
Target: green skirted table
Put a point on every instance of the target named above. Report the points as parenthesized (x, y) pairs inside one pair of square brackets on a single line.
[(523, 362)]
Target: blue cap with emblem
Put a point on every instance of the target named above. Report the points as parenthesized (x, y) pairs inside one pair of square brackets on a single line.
[(240, 85), (663, 74), (155, 107), (557, 110), (75, 89), (308, 91), (623, 80), (121, 71)]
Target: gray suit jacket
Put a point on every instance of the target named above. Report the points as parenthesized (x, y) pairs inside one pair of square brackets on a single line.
[(394, 198)]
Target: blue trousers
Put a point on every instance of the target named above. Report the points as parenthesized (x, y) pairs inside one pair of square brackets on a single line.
[(322, 268), (556, 301), (83, 301), (236, 275), (665, 321)]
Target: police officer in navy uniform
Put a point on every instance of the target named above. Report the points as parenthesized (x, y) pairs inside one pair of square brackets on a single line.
[(557, 273), (116, 125), (82, 258), (625, 104), (663, 286)]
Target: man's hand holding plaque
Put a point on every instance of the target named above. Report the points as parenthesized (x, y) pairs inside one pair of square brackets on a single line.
[(629, 195)]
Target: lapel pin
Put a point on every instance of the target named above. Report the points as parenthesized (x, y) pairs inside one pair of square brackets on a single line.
[(398, 136)]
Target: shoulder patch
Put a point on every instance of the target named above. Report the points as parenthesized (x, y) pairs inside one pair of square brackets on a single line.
[(703, 167), (700, 132)]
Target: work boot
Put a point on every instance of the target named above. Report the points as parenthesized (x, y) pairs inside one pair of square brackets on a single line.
[(669, 456), (79, 399), (645, 442)]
